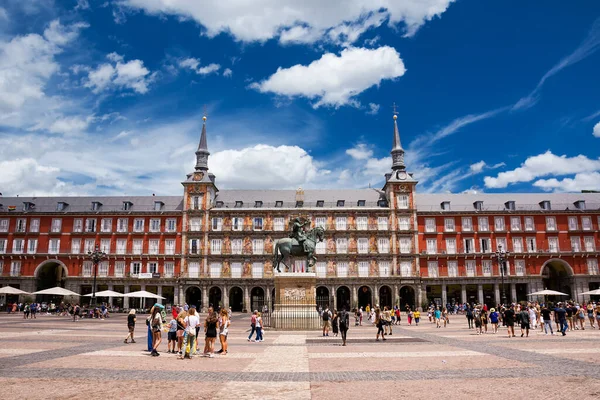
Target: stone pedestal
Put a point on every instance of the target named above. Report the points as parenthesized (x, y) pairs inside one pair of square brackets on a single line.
[(295, 302)]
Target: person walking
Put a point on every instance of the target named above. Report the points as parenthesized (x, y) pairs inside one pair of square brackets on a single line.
[(76, 311), (525, 322), (334, 322), (326, 316), (259, 327), (561, 314), (409, 315), (131, 325), (387, 317), (494, 320), (547, 318), (509, 320), (180, 328), (379, 324), (590, 314), (190, 320), (172, 335), (211, 325), (470, 318), (252, 325), (417, 316), (438, 317), (156, 323), (224, 323), (398, 314), (344, 324)]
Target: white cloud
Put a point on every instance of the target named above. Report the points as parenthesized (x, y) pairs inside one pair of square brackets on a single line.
[(360, 152), (194, 63), (335, 80), (373, 109), (295, 21), (581, 181), (227, 73), (596, 130), (70, 125), (543, 165), (209, 69), (120, 75), (3, 14), (477, 167), (82, 5)]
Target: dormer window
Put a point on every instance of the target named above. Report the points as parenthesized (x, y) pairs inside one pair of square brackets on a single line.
[(580, 204), (239, 204), (299, 204), (127, 205), (96, 205), (61, 206), (545, 205), (320, 203), (445, 205), (340, 203), (478, 205), (258, 204), (509, 205), (361, 203), (219, 204), (158, 205), (28, 206), (382, 203), (279, 203)]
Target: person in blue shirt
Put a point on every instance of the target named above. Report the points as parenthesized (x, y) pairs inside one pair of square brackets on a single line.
[(561, 313), (438, 315), (494, 320)]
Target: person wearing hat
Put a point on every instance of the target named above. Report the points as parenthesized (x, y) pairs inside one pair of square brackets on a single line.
[(494, 320)]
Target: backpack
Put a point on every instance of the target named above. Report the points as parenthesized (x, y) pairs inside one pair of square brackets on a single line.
[(325, 315)]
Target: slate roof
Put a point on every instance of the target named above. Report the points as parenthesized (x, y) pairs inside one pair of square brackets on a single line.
[(84, 204)]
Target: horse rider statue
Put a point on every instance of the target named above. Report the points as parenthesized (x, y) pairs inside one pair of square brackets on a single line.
[(298, 232)]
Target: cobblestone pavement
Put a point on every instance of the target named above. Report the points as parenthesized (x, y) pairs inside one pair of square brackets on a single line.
[(55, 358)]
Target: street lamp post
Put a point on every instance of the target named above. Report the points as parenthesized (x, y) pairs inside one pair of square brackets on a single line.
[(96, 257), (501, 256)]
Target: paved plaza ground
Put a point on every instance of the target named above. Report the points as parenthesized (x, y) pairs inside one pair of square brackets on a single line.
[(54, 358)]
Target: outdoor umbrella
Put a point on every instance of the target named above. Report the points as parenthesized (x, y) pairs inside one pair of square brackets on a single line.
[(11, 290), (106, 293), (142, 294), (595, 292), (57, 291), (547, 293)]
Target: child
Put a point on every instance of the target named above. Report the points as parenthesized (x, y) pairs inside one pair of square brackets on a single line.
[(172, 336), (417, 317), (409, 316)]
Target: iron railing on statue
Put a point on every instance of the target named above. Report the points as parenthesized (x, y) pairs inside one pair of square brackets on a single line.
[(291, 314)]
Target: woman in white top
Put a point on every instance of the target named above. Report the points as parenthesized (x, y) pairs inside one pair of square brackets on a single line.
[(189, 336), (156, 327), (224, 323)]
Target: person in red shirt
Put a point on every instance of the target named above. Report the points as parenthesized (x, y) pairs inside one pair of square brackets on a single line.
[(175, 311)]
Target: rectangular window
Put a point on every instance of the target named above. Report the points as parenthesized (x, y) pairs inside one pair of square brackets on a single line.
[(4, 225), (215, 246), (236, 246), (341, 245), (484, 224), (363, 245), (197, 202), (137, 246), (485, 244), (321, 248), (75, 246), (15, 268), (122, 224), (258, 224), (550, 223), (155, 225), (32, 246), (430, 225), (382, 223), (499, 224), (501, 244), (451, 246), (529, 224), (553, 245), (383, 245), (258, 246), (486, 267), (321, 269), (575, 244), (531, 245), (103, 269), (193, 269), (170, 247), (452, 269), (592, 265), (105, 246), (78, 225), (18, 246), (589, 244), (520, 267), (121, 246), (431, 246), (405, 245), (517, 245), (21, 225), (363, 269), (217, 224), (171, 225), (449, 224), (194, 246), (169, 268), (153, 246), (90, 225), (3, 246), (340, 223), (362, 223), (90, 245), (54, 246), (384, 269), (471, 268), (467, 224), (237, 224), (34, 225), (515, 223), (432, 269), (406, 269), (404, 223), (342, 269), (153, 267), (236, 270), (195, 224), (402, 201), (258, 269), (106, 225), (469, 244), (586, 223), (136, 268), (86, 269), (299, 266), (279, 224), (56, 225), (138, 225), (119, 269), (321, 221), (573, 224)]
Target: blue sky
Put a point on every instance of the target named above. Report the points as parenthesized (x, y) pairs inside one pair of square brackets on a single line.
[(106, 97)]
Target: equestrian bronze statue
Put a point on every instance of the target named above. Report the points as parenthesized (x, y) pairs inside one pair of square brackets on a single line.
[(299, 244)]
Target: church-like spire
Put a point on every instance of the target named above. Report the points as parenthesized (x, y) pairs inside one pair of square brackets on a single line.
[(202, 152), (397, 150)]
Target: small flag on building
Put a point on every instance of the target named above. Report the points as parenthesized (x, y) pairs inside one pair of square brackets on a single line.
[(12, 208)]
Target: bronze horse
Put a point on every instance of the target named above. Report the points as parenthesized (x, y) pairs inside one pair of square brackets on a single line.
[(286, 247)]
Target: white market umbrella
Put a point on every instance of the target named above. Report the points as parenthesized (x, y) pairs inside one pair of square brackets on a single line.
[(106, 293), (12, 290), (594, 292), (57, 291), (547, 293), (143, 294)]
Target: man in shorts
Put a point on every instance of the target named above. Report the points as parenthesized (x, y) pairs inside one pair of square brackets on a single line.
[(326, 321), (525, 322), (509, 320)]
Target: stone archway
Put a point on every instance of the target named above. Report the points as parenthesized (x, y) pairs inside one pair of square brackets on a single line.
[(365, 297), (557, 275), (215, 297), (385, 297), (50, 273), (322, 297), (193, 297), (343, 298), (236, 299), (257, 298), (407, 297)]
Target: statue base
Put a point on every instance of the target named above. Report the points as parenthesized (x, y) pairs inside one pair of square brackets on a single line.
[(295, 302)]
